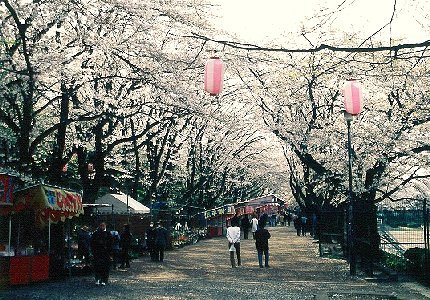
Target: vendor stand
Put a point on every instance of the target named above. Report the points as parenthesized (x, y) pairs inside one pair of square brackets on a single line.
[(244, 209), (265, 204), (217, 219), (29, 252), (6, 201)]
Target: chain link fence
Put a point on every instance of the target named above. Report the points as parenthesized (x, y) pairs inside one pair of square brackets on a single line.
[(404, 236)]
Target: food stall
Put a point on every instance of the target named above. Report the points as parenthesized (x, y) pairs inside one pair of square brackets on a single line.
[(217, 219), (265, 204), (31, 212), (244, 210), (6, 198)]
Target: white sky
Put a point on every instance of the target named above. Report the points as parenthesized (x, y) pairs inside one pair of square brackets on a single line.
[(261, 21)]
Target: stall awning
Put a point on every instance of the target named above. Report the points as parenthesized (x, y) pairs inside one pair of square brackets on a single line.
[(49, 203), (119, 202)]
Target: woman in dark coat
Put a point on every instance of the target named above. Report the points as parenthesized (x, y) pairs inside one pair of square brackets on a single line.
[(126, 237), (262, 237), (101, 247)]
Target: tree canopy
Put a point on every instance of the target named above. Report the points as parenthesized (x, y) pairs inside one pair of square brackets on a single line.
[(108, 95)]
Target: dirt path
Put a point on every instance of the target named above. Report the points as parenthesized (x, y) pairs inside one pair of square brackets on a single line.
[(202, 271)]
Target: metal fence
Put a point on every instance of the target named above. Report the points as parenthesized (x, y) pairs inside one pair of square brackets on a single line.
[(331, 233), (405, 237)]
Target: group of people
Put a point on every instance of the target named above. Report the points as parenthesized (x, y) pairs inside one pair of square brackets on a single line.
[(157, 239), (303, 224), (260, 234), (110, 248), (105, 245)]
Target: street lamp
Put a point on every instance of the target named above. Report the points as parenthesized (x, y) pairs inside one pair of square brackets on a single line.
[(353, 106)]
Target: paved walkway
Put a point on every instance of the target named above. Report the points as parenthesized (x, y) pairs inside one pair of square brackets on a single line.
[(202, 271)]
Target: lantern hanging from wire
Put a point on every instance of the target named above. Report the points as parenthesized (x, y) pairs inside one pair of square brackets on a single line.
[(214, 73), (353, 98)]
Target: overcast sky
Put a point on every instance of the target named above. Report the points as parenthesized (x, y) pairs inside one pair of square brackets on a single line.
[(257, 21)]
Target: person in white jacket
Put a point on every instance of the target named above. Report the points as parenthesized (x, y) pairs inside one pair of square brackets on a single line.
[(254, 225), (233, 237)]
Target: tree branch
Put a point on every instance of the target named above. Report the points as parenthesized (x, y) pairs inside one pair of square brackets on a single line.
[(253, 47)]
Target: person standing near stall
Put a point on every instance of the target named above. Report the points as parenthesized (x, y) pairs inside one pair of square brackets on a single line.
[(84, 240), (101, 247)]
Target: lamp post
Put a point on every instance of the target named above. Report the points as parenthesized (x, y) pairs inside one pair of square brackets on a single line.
[(351, 233), (353, 106)]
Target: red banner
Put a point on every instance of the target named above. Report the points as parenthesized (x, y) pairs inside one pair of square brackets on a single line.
[(6, 189)]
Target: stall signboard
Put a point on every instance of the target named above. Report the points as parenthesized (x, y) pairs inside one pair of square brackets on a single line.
[(229, 209), (51, 204), (220, 211)]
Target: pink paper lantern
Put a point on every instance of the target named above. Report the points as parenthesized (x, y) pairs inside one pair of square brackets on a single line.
[(214, 73), (353, 98)]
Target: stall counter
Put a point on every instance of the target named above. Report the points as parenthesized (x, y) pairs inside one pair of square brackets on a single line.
[(17, 270)]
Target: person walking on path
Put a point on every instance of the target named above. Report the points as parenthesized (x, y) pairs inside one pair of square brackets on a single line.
[(303, 224), (150, 240), (254, 225), (116, 248), (262, 236), (314, 221), (161, 241), (244, 224), (288, 216), (272, 219), (297, 224), (101, 246), (126, 238), (233, 237)]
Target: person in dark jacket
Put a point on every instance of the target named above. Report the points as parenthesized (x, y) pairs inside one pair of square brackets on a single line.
[(304, 224), (245, 225), (150, 240), (125, 243), (264, 218), (161, 241), (116, 248), (262, 237), (297, 224), (101, 247)]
